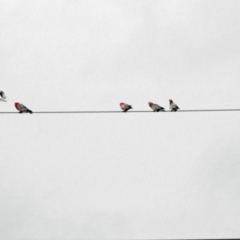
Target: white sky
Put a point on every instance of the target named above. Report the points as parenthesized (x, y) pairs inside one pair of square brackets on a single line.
[(122, 176)]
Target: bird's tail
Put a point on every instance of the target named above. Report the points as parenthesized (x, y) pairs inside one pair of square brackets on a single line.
[(30, 111)]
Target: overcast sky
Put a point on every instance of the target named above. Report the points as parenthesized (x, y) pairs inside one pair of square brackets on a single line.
[(121, 176)]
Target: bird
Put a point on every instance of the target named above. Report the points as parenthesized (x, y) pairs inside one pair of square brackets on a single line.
[(21, 108), (155, 107), (125, 107), (3, 96), (173, 106)]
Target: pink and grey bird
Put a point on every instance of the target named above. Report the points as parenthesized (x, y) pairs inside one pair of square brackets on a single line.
[(21, 108), (173, 106), (125, 107), (2, 96), (155, 107)]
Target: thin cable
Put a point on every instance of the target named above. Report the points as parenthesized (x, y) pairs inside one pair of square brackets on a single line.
[(149, 111)]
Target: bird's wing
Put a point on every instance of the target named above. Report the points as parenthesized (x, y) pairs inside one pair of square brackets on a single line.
[(173, 105), (158, 106), (2, 94), (155, 106), (22, 108)]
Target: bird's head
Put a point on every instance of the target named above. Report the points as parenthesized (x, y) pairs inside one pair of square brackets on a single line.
[(121, 103), (170, 101), (16, 104), (150, 104)]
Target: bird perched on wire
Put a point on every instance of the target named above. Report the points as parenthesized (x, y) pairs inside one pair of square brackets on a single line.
[(2, 96), (155, 107), (173, 106), (21, 108), (125, 107)]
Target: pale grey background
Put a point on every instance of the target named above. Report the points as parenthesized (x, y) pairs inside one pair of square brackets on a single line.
[(166, 175)]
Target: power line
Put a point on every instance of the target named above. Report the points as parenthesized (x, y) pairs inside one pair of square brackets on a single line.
[(149, 111)]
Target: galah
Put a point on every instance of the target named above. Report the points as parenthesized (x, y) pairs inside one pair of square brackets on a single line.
[(21, 108), (2, 96), (173, 106), (155, 107), (125, 107)]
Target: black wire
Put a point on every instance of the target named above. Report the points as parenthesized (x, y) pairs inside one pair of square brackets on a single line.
[(86, 112)]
